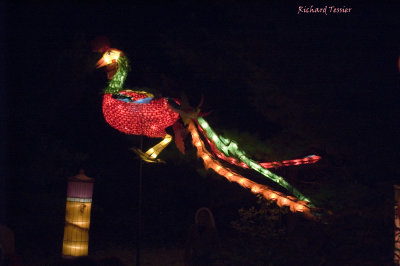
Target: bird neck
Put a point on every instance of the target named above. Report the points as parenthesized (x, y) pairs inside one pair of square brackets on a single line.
[(116, 83)]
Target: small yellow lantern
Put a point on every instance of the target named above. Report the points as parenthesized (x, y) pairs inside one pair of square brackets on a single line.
[(77, 216)]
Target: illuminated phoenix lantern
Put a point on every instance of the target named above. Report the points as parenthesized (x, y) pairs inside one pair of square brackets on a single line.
[(140, 113), (134, 112)]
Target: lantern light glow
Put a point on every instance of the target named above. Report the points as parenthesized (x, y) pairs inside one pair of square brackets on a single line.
[(149, 119), (77, 216), (140, 113), (267, 165), (233, 149), (269, 194)]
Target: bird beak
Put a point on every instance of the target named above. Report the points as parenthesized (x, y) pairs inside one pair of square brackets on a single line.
[(101, 63)]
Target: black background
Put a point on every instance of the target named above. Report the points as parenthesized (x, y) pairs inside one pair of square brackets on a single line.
[(340, 69)]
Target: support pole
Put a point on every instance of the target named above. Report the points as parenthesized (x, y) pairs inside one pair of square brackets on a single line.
[(139, 217)]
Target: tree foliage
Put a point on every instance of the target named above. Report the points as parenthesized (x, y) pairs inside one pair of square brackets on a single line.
[(263, 220)]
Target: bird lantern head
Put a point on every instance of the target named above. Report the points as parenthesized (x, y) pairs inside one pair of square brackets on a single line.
[(109, 57)]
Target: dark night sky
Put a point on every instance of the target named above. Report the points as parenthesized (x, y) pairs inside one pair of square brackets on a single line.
[(341, 67), (344, 64)]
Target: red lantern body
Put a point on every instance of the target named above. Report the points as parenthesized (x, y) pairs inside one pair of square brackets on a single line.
[(149, 119)]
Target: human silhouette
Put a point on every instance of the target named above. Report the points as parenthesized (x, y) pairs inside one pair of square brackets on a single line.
[(203, 244), (8, 256)]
